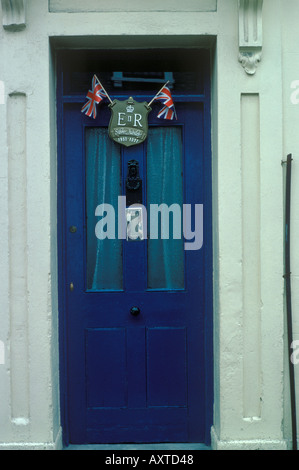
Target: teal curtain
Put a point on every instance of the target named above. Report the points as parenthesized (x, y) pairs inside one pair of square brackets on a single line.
[(165, 185), (103, 185)]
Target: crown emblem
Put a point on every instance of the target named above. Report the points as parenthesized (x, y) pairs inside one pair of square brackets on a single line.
[(130, 108)]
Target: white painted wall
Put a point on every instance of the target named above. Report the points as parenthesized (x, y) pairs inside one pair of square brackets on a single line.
[(290, 72), (254, 126)]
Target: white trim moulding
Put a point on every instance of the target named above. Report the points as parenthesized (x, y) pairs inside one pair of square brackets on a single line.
[(250, 34), (13, 12)]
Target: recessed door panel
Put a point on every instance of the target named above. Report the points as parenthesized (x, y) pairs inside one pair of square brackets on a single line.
[(106, 375), (167, 367)]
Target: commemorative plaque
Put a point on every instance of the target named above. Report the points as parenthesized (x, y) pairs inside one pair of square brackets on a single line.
[(129, 121)]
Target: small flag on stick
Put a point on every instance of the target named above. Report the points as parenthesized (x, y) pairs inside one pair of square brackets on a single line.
[(94, 97), (168, 110), (167, 113)]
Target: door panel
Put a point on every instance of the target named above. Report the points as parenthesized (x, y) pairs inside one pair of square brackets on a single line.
[(106, 367), (133, 378), (167, 367)]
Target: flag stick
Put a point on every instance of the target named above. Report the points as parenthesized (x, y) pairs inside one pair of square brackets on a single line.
[(158, 92), (104, 89)]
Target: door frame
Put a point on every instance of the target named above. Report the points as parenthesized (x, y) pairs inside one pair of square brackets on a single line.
[(208, 241)]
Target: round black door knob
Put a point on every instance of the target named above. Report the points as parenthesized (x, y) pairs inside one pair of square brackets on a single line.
[(135, 311)]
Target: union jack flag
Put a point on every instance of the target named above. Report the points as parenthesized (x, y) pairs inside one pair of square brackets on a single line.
[(94, 96), (168, 111)]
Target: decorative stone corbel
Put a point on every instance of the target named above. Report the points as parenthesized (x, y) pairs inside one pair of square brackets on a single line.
[(250, 34), (13, 13)]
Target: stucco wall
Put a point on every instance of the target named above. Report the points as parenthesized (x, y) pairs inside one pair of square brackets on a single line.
[(249, 314), (253, 128), (27, 320)]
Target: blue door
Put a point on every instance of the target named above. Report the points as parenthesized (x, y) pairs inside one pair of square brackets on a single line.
[(135, 311)]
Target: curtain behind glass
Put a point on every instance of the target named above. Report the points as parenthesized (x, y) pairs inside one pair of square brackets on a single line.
[(165, 185), (103, 185)]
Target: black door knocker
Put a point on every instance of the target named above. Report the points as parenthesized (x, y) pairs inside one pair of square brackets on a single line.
[(133, 184)]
